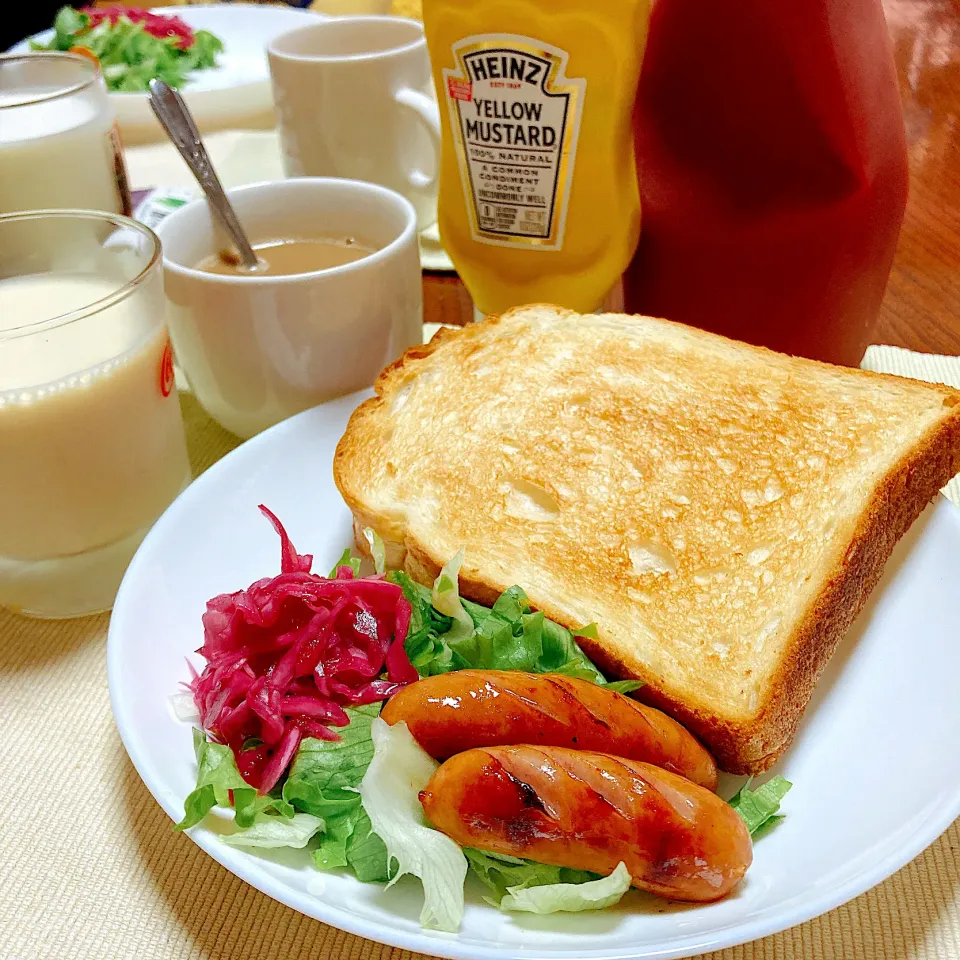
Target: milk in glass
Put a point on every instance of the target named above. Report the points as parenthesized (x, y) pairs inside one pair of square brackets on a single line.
[(58, 144), (91, 442)]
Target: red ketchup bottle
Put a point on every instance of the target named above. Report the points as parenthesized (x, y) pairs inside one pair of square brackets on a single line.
[(773, 171)]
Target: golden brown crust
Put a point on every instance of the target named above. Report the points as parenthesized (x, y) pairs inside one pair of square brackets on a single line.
[(753, 744), (901, 497)]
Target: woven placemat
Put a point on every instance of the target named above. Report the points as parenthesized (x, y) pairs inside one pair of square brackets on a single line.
[(90, 868)]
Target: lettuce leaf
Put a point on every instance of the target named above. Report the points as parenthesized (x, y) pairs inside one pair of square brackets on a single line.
[(427, 652), (66, 25), (366, 853), (398, 772), (324, 774), (351, 842), (217, 775), (323, 782), (202, 53), (569, 897), (508, 636), (346, 560), (219, 784), (446, 600), (562, 654), (250, 807), (377, 549), (276, 832), (331, 852), (500, 872), (129, 56), (759, 808)]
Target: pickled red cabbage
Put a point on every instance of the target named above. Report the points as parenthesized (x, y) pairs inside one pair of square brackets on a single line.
[(286, 655)]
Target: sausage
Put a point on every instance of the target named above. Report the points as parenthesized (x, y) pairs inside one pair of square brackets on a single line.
[(589, 811), (455, 711)]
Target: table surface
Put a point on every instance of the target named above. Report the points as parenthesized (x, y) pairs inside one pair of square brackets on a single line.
[(921, 309), (125, 885)]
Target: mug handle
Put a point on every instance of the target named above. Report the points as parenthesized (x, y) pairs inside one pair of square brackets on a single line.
[(427, 112)]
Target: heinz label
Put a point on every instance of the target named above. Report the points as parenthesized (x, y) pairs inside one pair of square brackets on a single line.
[(515, 117)]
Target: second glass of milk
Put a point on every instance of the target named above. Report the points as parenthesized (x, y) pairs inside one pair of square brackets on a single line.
[(58, 141), (92, 446)]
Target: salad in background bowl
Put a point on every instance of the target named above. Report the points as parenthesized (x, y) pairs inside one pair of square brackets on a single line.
[(133, 46), (231, 92)]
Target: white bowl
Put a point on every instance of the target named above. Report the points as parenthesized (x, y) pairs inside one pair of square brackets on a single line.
[(234, 94)]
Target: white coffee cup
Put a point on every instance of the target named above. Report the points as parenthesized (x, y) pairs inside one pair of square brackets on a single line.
[(354, 98), (258, 349)]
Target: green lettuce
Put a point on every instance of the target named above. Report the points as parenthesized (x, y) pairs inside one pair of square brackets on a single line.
[(500, 872), (425, 648), (217, 775), (346, 560), (445, 598), (760, 808), (390, 790), (322, 784), (570, 897), (366, 853), (219, 784), (129, 56), (273, 832), (249, 807), (378, 551), (323, 781), (508, 636)]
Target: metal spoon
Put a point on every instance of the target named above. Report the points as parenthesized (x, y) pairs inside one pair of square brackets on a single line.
[(175, 118)]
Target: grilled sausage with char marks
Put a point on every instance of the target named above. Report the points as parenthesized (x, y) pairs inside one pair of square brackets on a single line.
[(455, 711), (589, 811)]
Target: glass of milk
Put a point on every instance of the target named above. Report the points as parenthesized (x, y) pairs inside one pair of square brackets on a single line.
[(58, 142), (91, 442)]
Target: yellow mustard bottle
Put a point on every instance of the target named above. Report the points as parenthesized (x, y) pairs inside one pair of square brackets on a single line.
[(538, 184)]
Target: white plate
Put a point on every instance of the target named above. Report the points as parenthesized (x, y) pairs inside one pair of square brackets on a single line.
[(876, 767), (235, 93)]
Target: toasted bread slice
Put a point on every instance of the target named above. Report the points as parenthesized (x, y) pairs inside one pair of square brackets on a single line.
[(720, 511)]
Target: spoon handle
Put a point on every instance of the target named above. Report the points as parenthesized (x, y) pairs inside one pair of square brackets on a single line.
[(176, 119)]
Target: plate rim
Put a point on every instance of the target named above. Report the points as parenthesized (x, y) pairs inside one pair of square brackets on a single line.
[(243, 864)]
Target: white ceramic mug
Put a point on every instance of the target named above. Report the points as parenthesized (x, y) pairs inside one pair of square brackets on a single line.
[(258, 349), (354, 98)]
